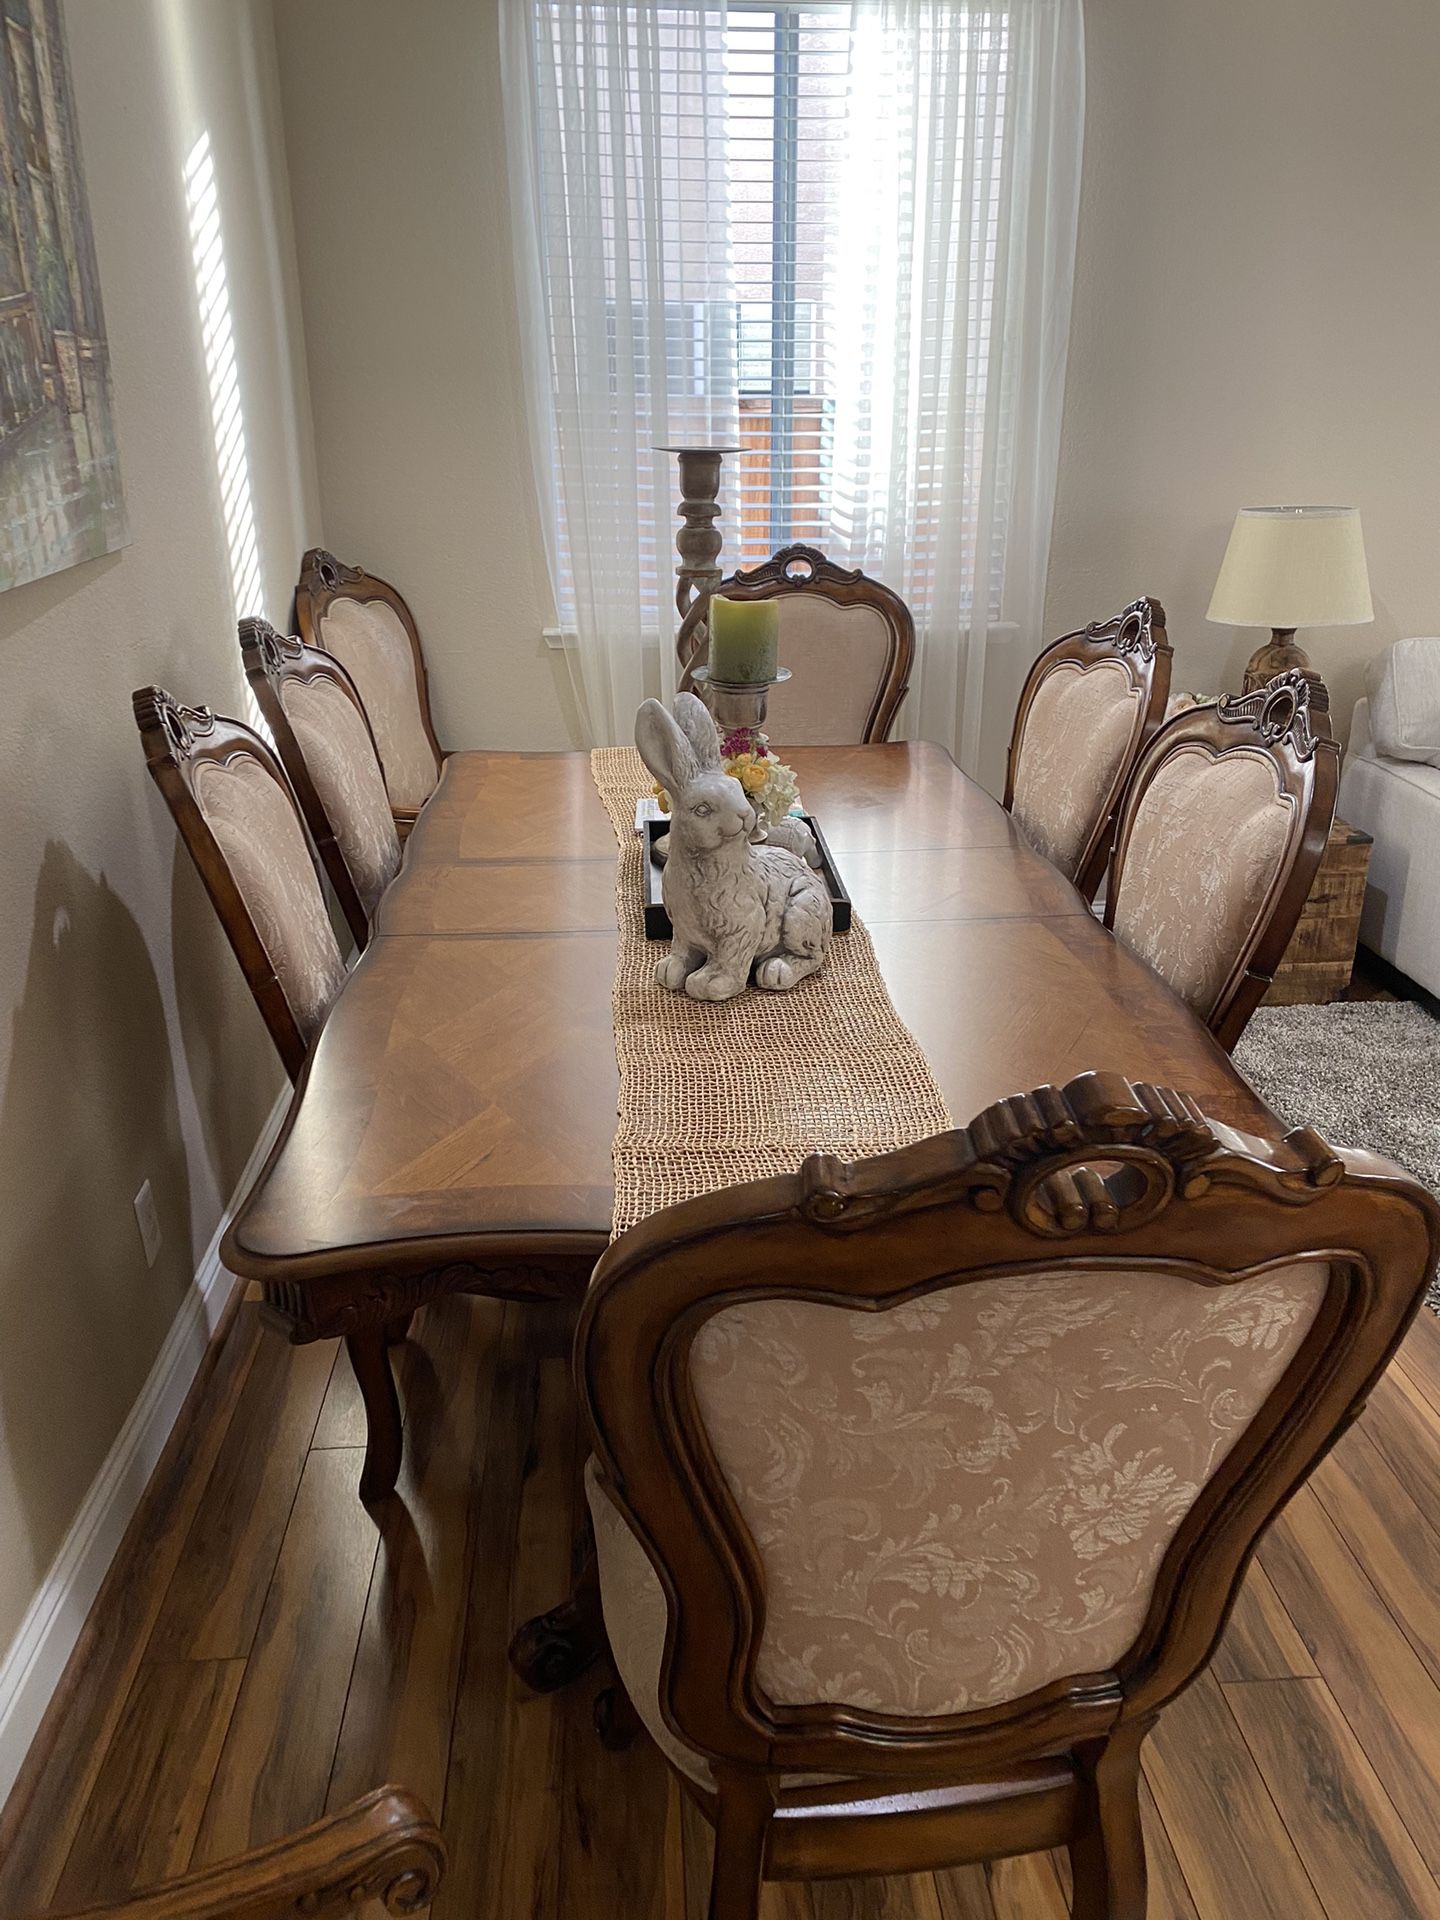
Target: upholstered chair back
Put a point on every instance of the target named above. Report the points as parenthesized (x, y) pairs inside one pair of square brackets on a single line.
[(849, 644), (367, 626), (238, 817), (957, 1503), (944, 1466), (1218, 842), (1088, 706), (315, 713)]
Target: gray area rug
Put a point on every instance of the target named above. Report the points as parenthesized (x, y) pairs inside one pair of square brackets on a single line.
[(1366, 1073)]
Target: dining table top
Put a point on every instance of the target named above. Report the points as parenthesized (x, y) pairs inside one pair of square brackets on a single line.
[(460, 1101)]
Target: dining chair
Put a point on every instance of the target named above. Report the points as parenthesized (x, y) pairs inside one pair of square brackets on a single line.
[(848, 641), (1219, 837), (920, 1486), (1088, 706), (384, 1847), (239, 820), (370, 630), (314, 710)]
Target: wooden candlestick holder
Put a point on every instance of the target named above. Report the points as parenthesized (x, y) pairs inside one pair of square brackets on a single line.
[(698, 543)]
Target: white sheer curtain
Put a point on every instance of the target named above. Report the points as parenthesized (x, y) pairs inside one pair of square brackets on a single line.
[(924, 221), (953, 274), (616, 137)]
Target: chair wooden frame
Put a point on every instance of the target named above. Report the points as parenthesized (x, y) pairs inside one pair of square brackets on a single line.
[(271, 658), (1287, 724), (324, 579), (177, 741), (802, 569), (1098, 1170), (384, 1847), (1135, 640)]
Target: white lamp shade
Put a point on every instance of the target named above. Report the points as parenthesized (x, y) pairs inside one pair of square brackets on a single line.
[(1293, 567)]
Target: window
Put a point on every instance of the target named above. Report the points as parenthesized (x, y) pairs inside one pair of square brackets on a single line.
[(806, 94), (840, 236)]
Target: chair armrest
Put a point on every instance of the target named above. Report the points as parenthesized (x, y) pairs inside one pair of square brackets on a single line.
[(384, 1847)]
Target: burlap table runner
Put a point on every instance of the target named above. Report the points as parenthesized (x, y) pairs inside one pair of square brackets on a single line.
[(711, 1094)]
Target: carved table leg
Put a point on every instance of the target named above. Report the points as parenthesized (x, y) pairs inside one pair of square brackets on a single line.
[(557, 1647), (370, 1357)]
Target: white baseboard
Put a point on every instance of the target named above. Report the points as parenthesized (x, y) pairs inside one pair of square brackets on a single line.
[(32, 1667)]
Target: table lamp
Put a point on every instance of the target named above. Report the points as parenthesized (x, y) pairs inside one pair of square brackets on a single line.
[(1289, 567)]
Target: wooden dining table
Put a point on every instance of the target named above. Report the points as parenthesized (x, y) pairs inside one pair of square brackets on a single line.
[(452, 1128)]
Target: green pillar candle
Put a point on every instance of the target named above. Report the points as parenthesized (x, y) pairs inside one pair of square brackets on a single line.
[(744, 640)]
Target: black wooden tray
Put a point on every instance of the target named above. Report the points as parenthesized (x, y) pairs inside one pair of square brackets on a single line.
[(657, 920)]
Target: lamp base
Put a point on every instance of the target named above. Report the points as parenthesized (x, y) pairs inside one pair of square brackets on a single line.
[(1280, 656)]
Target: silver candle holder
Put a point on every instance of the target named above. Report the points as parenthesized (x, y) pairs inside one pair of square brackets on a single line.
[(736, 705)]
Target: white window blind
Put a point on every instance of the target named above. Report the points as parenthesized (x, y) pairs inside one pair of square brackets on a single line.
[(786, 87)]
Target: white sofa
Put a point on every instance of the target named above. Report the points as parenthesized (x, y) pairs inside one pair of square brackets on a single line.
[(1393, 792)]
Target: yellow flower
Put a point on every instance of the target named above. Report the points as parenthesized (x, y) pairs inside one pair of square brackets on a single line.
[(662, 797), (753, 778)]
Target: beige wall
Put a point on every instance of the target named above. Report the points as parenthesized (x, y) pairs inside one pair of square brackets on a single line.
[(396, 140), (1256, 309), (130, 1048)]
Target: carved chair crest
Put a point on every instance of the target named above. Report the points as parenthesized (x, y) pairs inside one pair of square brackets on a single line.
[(166, 724), (1281, 710), (268, 647), (797, 566), (1099, 1154), (1138, 629), (330, 573)]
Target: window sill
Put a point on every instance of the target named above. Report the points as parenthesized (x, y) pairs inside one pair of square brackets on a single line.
[(566, 639)]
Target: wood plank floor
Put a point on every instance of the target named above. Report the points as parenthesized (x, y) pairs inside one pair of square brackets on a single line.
[(266, 1649)]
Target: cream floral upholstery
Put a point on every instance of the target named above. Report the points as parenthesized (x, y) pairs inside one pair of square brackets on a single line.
[(258, 831), (1206, 844), (369, 640), (962, 1499), (837, 655), (340, 757), (1079, 727)]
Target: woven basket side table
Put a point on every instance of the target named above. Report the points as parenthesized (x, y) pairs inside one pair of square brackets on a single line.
[(1320, 958)]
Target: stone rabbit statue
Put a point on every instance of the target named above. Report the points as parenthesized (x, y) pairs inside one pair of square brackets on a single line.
[(733, 906)]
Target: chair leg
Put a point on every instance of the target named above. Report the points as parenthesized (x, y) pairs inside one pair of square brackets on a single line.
[(397, 1332), (555, 1648), (1107, 1851), (744, 1804), (617, 1723), (370, 1358)]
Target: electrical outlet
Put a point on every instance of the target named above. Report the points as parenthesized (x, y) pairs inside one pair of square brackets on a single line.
[(148, 1221)]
